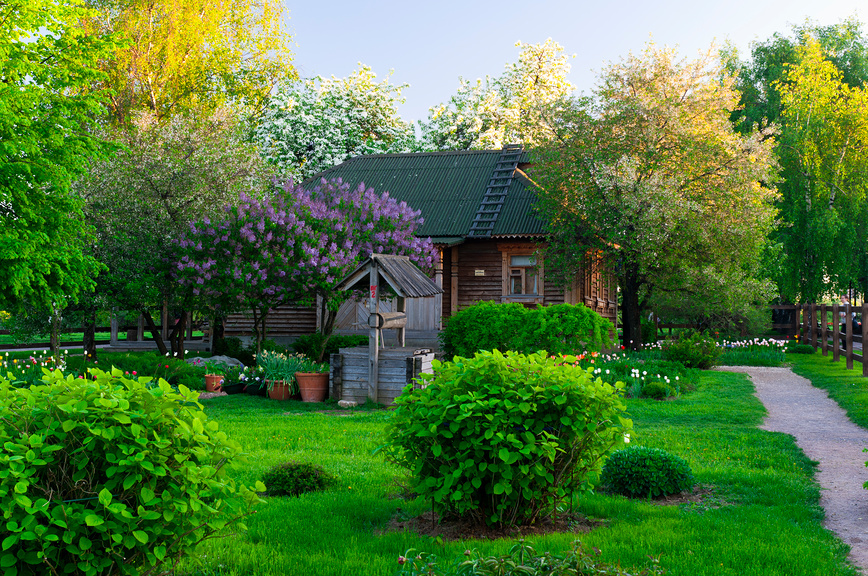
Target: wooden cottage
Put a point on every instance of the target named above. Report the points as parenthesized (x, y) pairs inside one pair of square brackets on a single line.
[(478, 210)]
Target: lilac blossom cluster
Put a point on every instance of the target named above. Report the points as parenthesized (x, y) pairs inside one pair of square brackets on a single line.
[(294, 244)]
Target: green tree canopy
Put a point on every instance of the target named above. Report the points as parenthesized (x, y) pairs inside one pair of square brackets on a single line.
[(649, 176), (817, 74), (188, 55), (47, 65)]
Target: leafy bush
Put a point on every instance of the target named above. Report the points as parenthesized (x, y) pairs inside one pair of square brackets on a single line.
[(656, 390), (311, 345), (522, 560), (146, 364), (693, 349), (505, 438), (106, 476), (801, 349), (560, 329), (646, 472), (296, 478)]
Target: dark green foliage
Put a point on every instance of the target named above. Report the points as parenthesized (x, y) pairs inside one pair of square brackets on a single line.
[(176, 372), (693, 349), (656, 390), (801, 349), (234, 348), (521, 560), (110, 475), (296, 478), (560, 329), (315, 345), (505, 438), (649, 332), (646, 472)]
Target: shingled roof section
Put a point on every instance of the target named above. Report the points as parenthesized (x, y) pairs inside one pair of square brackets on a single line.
[(446, 187)]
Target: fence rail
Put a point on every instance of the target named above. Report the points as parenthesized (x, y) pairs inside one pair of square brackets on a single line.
[(816, 329)]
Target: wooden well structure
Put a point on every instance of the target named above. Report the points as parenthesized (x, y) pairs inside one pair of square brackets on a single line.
[(387, 371)]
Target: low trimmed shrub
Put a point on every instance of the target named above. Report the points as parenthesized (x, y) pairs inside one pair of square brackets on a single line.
[(642, 472), (693, 349), (801, 349), (505, 438), (656, 390), (110, 475), (560, 329), (296, 478), (145, 364), (312, 345), (522, 560)]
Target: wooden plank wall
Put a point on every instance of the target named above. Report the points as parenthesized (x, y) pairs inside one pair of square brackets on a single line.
[(479, 255), (282, 321), (421, 313)]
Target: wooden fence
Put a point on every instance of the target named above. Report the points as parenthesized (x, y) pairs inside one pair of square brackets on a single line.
[(823, 332)]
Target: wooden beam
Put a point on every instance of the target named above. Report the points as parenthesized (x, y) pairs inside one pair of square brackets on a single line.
[(453, 308)]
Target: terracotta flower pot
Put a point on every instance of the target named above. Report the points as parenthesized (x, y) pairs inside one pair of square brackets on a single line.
[(314, 386), (213, 382), (279, 390)]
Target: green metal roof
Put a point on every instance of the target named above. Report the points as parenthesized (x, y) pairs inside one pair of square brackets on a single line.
[(447, 187)]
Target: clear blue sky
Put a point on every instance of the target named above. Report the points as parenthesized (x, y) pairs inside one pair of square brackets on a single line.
[(430, 44)]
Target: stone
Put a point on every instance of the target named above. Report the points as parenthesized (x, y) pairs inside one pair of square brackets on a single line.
[(347, 404)]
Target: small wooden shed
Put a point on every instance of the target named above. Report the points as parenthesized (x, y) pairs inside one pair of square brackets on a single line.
[(386, 374)]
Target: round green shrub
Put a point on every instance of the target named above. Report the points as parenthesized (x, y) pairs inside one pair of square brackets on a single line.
[(694, 350), (656, 390), (801, 349), (296, 478), (639, 471), (505, 438), (560, 329), (110, 475)]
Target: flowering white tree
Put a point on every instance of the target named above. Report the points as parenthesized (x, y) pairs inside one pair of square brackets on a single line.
[(310, 125), (650, 175), (490, 113)]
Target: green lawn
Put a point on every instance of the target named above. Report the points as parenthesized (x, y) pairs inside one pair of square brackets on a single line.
[(763, 519), (847, 387)]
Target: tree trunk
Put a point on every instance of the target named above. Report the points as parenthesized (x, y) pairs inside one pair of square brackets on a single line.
[(631, 312), (89, 333), (54, 338), (155, 333), (177, 336), (218, 331)]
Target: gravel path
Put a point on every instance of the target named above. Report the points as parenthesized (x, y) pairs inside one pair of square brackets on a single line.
[(825, 434)]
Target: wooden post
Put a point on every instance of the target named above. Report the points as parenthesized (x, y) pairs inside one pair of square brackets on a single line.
[(438, 280), (824, 330), (401, 306), (813, 326), (164, 317), (849, 340), (140, 333), (374, 340), (113, 340), (836, 333), (864, 336), (454, 272)]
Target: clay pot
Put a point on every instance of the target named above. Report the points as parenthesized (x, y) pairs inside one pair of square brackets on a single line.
[(314, 386), (213, 382), (279, 390)]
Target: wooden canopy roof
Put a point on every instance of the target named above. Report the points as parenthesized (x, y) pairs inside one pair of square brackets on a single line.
[(401, 275)]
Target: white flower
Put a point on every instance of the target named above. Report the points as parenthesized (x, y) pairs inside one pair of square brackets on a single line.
[(627, 438)]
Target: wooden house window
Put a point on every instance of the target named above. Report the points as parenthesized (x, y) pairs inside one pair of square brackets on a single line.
[(522, 274)]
